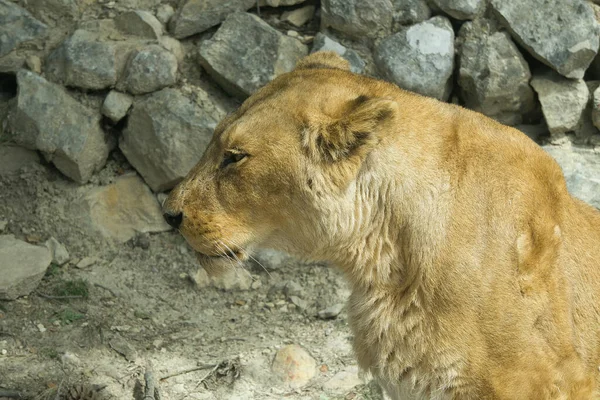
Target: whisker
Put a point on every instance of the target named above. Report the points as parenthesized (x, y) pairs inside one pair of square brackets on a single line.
[(250, 256), (230, 261), (239, 262)]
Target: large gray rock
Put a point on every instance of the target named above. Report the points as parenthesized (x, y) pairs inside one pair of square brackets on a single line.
[(358, 18), (23, 266), (85, 61), (195, 16), (563, 101), (121, 210), (149, 70), (493, 76), (461, 9), (246, 53), (325, 43), (46, 118), (581, 167), (166, 135), (563, 34), (17, 26), (410, 12), (139, 23), (419, 58)]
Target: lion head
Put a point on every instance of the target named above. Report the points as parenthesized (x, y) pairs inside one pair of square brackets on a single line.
[(278, 172)]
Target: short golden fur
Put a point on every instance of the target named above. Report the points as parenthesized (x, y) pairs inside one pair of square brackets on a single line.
[(474, 273)]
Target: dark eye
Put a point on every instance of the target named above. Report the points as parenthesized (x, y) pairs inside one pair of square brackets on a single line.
[(231, 157)]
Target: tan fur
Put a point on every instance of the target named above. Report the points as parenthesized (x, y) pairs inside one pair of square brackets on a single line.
[(474, 273)]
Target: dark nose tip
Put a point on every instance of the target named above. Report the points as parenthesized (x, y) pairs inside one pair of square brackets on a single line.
[(173, 219)]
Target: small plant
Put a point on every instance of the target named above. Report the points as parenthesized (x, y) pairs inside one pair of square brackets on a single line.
[(75, 288), (53, 270), (49, 352)]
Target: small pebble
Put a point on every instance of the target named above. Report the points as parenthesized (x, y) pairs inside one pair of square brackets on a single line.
[(331, 312), (41, 328)]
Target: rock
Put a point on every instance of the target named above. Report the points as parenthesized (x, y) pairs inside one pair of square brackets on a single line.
[(59, 252), (41, 328), (298, 302), (246, 53), (3, 224), (343, 381), (419, 58), (294, 366), (461, 9), (166, 134), (358, 18), (195, 16), (121, 210), (84, 61), (562, 34), (17, 26), (123, 347), (229, 280), (271, 259), (292, 288), (139, 23), (46, 118), (14, 158), (493, 76), (581, 167), (409, 12), (596, 108), (324, 43), (331, 312), (174, 46), (278, 3), (164, 12), (149, 70), (54, 10), (116, 105), (34, 63), (23, 266), (563, 101), (86, 262), (299, 16)]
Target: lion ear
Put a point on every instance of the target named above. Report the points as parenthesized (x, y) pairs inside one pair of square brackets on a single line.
[(323, 60), (354, 134)]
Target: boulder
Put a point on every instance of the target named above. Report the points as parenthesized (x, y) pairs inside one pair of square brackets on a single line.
[(85, 61), (48, 119), (325, 43), (150, 69), (165, 136), (563, 101), (195, 16), (461, 9), (358, 18), (121, 210), (17, 26), (562, 34), (139, 23), (409, 12), (116, 105), (246, 53), (419, 58), (23, 267), (493, 76)]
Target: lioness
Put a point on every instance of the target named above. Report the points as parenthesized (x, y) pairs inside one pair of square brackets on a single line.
[(474, 273)]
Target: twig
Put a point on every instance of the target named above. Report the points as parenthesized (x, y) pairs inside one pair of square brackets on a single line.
[(47, 296), (106, 288), (187, 371), (11, 394), (209, 373), (150, 385), (233, 339)]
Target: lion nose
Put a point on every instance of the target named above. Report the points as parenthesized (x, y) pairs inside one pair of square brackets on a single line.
[(173, 218)]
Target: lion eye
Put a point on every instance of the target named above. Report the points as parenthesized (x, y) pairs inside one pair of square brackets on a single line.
[(231, 157)]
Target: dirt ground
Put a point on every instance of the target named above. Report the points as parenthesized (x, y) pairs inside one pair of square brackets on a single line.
[(136, 309)]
